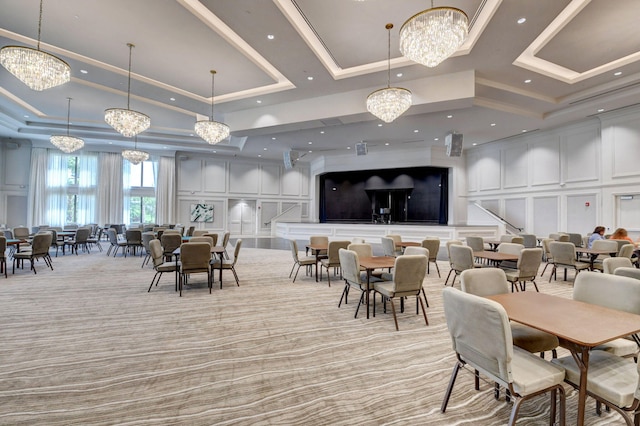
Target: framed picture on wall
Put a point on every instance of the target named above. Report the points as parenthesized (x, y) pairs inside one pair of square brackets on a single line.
[(201, 213)]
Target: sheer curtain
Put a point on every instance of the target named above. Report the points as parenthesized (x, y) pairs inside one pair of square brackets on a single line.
[(37, 202), (110, 193), (126, 191), (56, 189), (166, 190), (87, 188)]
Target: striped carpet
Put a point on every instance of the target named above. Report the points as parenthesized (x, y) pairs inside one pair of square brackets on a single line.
[(86, 344)]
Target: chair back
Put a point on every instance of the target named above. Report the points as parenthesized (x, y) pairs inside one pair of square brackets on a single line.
[(3, 246), (395, 237), (54, 237), (546, 248), (199, 232), (113, 237), (608, 245), (363, 250), (21, 232), (576, 239), (8, 234), (510, 248), (201, 239), (517, 239), (195, 257), (170, 242), (156, 251), (190, 231), (213, 236), (82, 235), (506, 238), (41, 243), (476, 243), (563, 253), (480, 333), (350, 265), (529, 240), (529, 261), (564, 238), (433, 245), (409, 272), (626, 250), (461, 257), (318, 239), (628, 272), (332, 252), (147, 237), (484, 281), (294, 250), (133, 236), (388, 246), (412, 251), (611, 291), (452, 243), (173, 231), (225, 239), (610, 264), (358, 240), (236, 251), (622, 243)]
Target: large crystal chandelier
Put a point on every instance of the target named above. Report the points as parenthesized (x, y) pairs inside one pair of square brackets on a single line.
[(431, 36), (135, 156), (391, 102), (127, 121), (66, 143), (210, 130), (37, 69)]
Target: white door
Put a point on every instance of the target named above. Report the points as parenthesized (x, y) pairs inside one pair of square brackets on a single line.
[(242, 217)]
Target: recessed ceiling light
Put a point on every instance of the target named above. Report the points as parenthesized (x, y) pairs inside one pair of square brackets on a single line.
[(436, 139), (601, 110), (522, 20), (25, 116), (399, 74), (172, 99), (310, 78), (84, 71), (214, 151), (310, 143), (259, 101), (259, 155), (474, 144), (348, 147), (617, 73), (524, 130), (165, 147), (386, 144), (416, 131), (310, 151), (449, 116), (273, 138), (322, 132), (493, 124), (528, 81), (190, 134), (264, 149), (379, 124), (270, 36), (110, 143)]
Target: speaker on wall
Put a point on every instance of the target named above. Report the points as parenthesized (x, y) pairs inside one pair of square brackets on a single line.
[(290, 158), (361, 148), (453, 142)]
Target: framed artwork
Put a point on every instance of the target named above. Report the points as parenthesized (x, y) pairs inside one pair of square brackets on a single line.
[(201, 213)]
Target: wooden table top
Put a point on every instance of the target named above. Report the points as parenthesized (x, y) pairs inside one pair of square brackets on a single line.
[(317, 246), (495, 255), (214, 249), (408, 244), (577, 322), (14, 241), (594, 251), (376, 262)]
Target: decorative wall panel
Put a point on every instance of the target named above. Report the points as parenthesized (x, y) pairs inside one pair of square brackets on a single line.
[(545, 162), (489, 170), (581, 155), (269, 184), (244, 178), (545, 215), (190, 175), (215, 176), (515, 212), (515, 167)]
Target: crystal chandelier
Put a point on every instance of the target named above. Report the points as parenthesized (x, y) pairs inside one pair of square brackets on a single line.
[(127, 121), (391, 102), (210, 130), (37, 69), (431, 36), (134, 155), (66, 143)]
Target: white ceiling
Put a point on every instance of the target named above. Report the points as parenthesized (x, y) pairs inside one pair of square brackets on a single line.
[(569, 49)]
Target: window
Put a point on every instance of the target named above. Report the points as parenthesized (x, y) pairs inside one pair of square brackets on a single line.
[(142, 210), (142, 200)]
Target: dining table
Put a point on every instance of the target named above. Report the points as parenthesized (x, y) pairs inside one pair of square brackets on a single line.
[(371, 263), (495, 257), (593, 254), (316, 250), (579, 326), (215, 250)]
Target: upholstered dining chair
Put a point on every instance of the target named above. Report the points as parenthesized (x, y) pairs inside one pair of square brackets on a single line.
[(199, 232), (510, 248), (418, 251), (350, 265), (194, 258), (448, 245), (564, 256), (202, 239), (79, 240), (626, 250), (229, 264), (213, 236), (517, 239), (492, 281), (433, 245), (159, 265), (481, 337), (397, 239), (632, 272), (529, 261), (39, 250), (408, 274), (319, 239), (610, 265), (170, 242), (116, 243), (225, 243), (3, 255), (461, 260), (94, 239), (476, 243), (306, 261), (333, 259), (147, 237), (529, 240), (546, 254), (607, 245), (388, 247)]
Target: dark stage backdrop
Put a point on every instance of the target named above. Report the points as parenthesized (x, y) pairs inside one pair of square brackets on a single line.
[(416, 194)]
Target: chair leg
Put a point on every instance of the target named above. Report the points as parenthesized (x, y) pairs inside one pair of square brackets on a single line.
[(235, 276), (393, 309), (452, 381), (424, 293), (437, 268), (514, 411), (424, 312), (345, 292), (448, 275)]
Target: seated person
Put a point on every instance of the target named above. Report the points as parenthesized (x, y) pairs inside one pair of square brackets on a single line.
[(598, 234), (621, 234)]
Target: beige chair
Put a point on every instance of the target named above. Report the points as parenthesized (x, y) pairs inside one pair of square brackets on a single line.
[(21, 233), (159, 265), (476, 243), (517, 239), (409, 272), (626, 250), (225, 242), (228, 264), (3, 255), (482, 338), (213, 236), (147, 237), (397, 239), (505, 238), (116, 243), (333, 259), (170, 242), (199, 232), (350, 266), (529, 261), (388, 247), (307, 261), (358, 240), (461, 260), (363, 250), (610, 265), (418, 251), (492, 281), (564, 256), (433, 245), (320, 240), (94, 239), (628, 272), (615, 292), (202, 239), (546, 252), (529, 240), (134, 240), (39, 250), (607, 245), (510, 248), (194, 258), (190, 231), (448, 246)]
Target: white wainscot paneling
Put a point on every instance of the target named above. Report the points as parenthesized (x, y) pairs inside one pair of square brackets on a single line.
[(626, 149), (304, 181), (190, 175), (545, 215), (581, 218), (244, 178), (269, 210), (269, 184), (290, 182), (489, 170), (215, 176), (515, 167), (492, 205), (472, 172), (287, 205), (515, 212), (581, 154), (545, 162)]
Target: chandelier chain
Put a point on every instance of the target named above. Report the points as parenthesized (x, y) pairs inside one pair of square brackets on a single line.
[(213, 76), (39, 25), (389, 26), (68, 114), (131, 46)]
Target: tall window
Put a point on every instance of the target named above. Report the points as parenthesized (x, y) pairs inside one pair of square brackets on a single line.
[(142, 200)]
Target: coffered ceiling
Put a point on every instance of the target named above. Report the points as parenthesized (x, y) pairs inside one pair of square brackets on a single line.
[(295, 74)]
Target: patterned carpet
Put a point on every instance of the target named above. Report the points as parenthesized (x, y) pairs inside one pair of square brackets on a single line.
[(86, 344)]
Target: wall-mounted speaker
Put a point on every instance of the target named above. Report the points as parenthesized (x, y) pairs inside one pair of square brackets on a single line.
[(12, 145), (361, 148), (290, 158), (453, 142)]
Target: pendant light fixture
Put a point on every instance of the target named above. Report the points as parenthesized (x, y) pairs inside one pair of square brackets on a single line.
[(127, 121), (66, 143), (37, 69), (210, 130), (391, 102), (135, 156)]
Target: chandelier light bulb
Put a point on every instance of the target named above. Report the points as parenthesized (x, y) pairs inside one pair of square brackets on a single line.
[(210, 130), (67, 143)]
